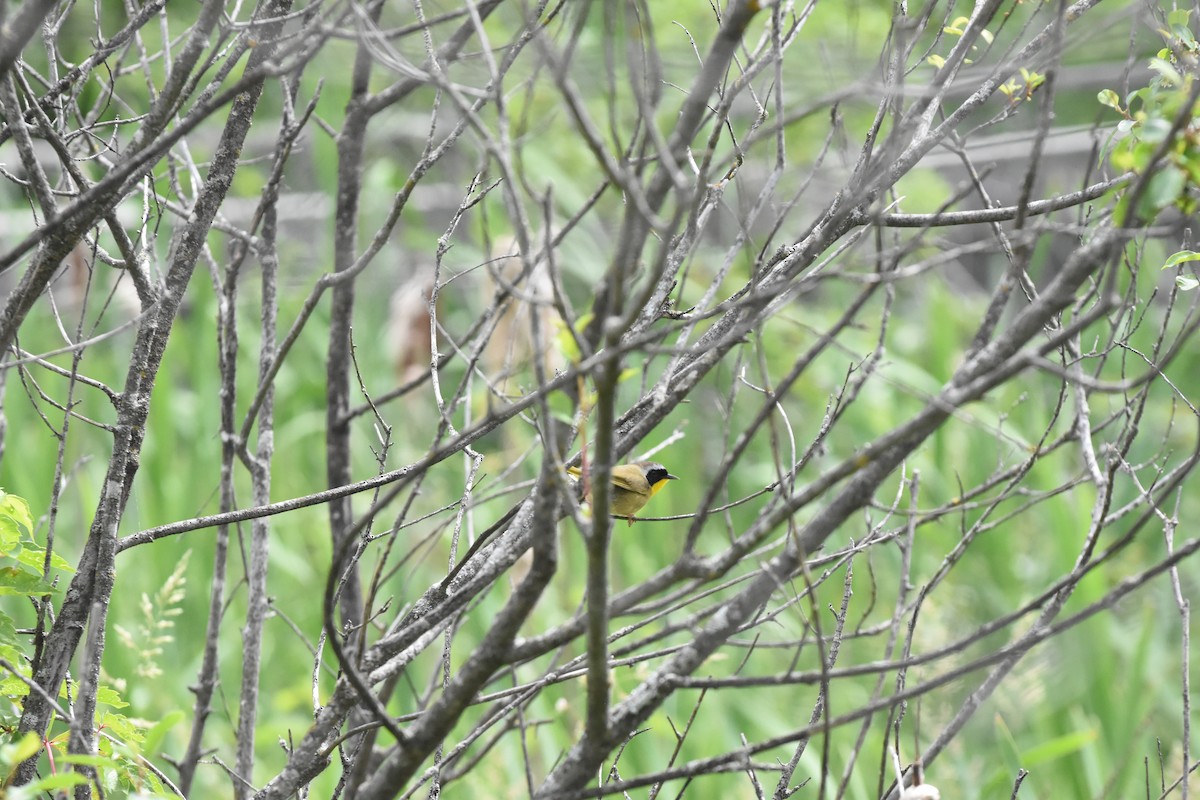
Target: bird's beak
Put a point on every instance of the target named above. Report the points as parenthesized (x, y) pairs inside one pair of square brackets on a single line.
[(671, 477)]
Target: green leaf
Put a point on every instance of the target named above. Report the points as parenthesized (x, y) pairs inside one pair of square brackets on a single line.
[(1168, 72), (60, 780), (1186, 282), (16, 509), (17, 581), (14, 753), (110, 697), (122, 727), (8, 629), (936, 61), (1122, 159), (1181, 257), (1155, 130), (1162, 189), (88, 759), (1058, 747), (59, 563), (32, 558), (16, 523), (14, 688), (10, 538), (1108, 97), (35, 557), (156, 734)]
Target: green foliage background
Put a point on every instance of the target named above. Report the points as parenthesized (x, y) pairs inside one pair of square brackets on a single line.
[(1068, 715)]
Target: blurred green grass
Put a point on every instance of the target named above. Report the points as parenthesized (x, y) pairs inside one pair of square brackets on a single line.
[(1057, 715), (1081, 712)]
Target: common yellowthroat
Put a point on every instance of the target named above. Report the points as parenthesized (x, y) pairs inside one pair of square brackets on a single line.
[(633, 486)]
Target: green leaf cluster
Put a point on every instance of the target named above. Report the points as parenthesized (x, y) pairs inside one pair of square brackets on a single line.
[(1150, 115), (22, 561), (119, 763)]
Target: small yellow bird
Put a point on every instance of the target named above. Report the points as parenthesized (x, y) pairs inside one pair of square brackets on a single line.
[(633, 486)]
